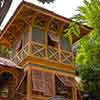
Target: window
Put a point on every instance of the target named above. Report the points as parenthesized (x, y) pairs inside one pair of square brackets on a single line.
[(65, 44), (38, 35)]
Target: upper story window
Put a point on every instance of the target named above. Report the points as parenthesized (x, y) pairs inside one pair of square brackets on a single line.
[(65, 43), (38, 35)]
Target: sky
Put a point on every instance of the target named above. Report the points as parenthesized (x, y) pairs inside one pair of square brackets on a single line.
[(66, 8)]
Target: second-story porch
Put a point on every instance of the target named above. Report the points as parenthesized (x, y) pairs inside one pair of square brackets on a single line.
[(37, 48)]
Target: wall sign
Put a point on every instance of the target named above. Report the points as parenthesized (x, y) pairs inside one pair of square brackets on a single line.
[(4, 7)]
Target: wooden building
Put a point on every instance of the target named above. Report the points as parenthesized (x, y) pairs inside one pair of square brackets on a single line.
[(43, 53)]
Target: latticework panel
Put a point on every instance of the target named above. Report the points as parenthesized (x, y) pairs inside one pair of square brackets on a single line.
[(21, 55), (65, 57), (53, 54), (41, 51), (38, 50)]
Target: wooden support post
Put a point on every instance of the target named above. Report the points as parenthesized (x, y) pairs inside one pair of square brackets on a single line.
[(29, 83), (46, 37), (74, 93), (59, 45), (54, 86), (30, 40), (30, 32)]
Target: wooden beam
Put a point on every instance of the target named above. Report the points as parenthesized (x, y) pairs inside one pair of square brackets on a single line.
[(4, 41), (51, 64), (10, 22), (30, 39), (17, 28), (59, 37), (51, 67), (46, 36), (54, 85), (46, 13), (29, 83), (34, 17)]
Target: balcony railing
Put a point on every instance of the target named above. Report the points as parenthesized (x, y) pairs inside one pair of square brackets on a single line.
[(44, 52)]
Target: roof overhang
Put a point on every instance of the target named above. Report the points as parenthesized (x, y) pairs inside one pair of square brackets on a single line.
[(24, 11)]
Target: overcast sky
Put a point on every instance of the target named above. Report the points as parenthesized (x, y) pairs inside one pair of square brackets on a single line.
[(66, 8)]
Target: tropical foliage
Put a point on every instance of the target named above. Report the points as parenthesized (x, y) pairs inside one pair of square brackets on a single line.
[(88, 56), (72, 29), (4, 51)]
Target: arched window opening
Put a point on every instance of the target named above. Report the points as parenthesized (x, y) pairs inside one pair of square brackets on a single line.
[(7, 85)]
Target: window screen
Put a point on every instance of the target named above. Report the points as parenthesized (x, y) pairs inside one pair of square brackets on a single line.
[(65, 44), (38, 35)]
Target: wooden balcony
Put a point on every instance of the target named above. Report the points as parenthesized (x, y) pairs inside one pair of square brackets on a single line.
[(36, 53)]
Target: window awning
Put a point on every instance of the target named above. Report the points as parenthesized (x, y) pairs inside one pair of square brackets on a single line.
[(67, 82)]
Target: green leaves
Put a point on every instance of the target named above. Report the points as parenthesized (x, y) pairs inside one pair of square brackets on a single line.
[(5, 52), (88, 56), (72, 29)]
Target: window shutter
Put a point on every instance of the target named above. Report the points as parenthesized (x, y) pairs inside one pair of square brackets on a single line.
[(43, 82), (49, 84)]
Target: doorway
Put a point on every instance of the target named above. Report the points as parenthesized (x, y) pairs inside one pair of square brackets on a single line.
[(7, 85)]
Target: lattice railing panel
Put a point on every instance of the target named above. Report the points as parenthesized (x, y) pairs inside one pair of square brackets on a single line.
[(53, 54), (21, 55), (50, 53), (38, 50), (65, 57), (43, 52)]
